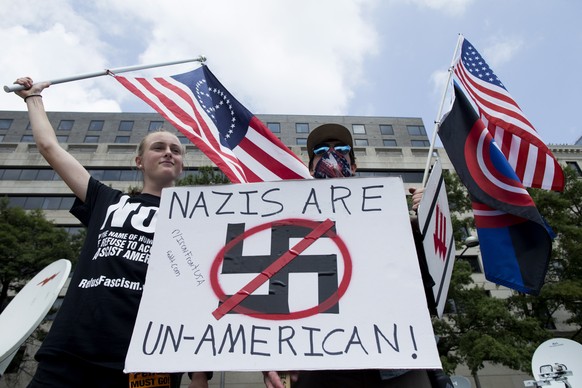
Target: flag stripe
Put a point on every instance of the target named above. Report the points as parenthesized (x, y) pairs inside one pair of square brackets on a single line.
[(186, 118), (495, 105), (230, 136), (185, 123), (531, 159)]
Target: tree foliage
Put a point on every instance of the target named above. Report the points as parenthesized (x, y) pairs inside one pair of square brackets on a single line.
[(460, 206), (479, 328), (563, 285), (205, 175), (28, 243)]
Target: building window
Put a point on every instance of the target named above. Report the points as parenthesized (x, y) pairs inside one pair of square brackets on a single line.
[(122, 139), (11, 175), (420, 143), (155, 125), (1, 138), (274, 127), (47, 175), (5, 123), (17, 174), (52, 203), (47, 203), (128, 175), (361, 142), (28, 175), (389, 142), (125, 125), (386, 129), (574, 166), (28, 127), (301, 127), (16, 201), (66, 125), (111, 175), (27, 139), (96, 125), (301, 141), (33, 203), (416, 130), (359, 129), (91, 139), (183, 140), (407, 176), (473, 261), (62, 138)]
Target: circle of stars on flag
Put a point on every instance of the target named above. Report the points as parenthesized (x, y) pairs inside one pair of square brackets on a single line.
[(204, 95)]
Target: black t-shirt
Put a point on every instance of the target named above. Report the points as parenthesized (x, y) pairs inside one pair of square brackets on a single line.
[(96, 319)]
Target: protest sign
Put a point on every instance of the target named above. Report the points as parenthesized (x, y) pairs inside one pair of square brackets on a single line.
[(288, 275), (434, 218)]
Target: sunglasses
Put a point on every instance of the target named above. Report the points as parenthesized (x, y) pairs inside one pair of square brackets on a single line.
[(340, 149)]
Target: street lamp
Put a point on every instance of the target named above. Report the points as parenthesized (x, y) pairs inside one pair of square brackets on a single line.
[(470, 242)]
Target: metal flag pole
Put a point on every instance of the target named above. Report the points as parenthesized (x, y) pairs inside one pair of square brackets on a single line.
[(13, 88), (437, 122)]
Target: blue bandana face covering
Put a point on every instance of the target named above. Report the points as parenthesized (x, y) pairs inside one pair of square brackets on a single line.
[(332, 165)]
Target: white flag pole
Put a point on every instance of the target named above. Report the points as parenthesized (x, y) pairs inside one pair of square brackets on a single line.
[(437, 122), (13, 88)]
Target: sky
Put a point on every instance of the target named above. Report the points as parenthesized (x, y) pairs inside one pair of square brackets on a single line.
[(313, 57)]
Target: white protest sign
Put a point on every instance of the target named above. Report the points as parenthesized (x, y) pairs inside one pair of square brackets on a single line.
[(436, 226), (289, 275)]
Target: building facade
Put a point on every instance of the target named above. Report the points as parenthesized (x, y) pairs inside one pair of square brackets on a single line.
[(106, 143)]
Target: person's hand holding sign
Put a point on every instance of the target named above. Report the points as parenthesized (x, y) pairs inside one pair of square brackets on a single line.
[(274, 379)]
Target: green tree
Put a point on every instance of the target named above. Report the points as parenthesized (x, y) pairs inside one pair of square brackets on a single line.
[(205, 175), (563, 284), (28, 243), (460, 207), (479, 328)]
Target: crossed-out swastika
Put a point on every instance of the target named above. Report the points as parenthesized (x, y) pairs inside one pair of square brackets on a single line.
[(275, 305)]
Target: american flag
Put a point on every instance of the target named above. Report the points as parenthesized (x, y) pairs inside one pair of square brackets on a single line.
[(514, 134), (202, 109)]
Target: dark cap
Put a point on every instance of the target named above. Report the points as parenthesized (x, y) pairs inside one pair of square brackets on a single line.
[(327, 132)]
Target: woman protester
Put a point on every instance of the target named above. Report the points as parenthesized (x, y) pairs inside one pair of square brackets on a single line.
[(88, 341)]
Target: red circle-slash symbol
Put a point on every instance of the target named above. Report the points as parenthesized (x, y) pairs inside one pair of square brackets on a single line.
[(315, 226)]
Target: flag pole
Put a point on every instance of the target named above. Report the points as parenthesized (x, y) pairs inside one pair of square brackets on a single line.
[(201, 59), (439, 113)]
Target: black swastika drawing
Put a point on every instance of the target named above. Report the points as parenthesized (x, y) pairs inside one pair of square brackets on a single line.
[(277, 300)]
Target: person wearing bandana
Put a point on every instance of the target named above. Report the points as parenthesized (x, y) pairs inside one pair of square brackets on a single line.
[(331, 155), (331, 152)]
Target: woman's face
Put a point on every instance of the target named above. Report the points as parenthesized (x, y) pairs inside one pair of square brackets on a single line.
[(162, 158)]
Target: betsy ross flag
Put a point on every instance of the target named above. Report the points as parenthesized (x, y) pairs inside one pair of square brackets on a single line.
[(515, 241), (201, 108), (527, 154)]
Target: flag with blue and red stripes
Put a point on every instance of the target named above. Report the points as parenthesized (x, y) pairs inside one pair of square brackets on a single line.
[(515, 241), (201, 108), (530, 158)]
